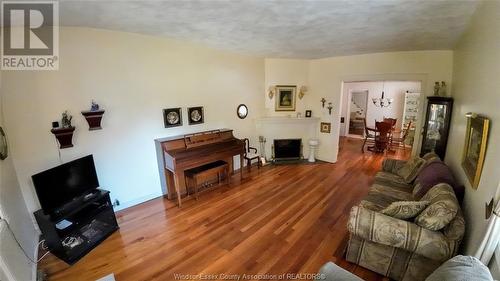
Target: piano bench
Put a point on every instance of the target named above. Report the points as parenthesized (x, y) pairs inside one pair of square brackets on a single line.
[(208, 170)]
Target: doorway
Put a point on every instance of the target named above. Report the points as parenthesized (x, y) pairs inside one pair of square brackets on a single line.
[(360, 103), (356, 113)]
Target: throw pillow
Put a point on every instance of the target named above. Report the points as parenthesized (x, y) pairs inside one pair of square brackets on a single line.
[(432, 174), (410, 169), (442, 209), (405, 209)]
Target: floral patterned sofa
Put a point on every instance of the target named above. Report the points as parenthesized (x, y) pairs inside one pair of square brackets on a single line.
[(410, 222)]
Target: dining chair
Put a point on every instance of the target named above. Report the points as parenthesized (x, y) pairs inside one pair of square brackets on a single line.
[(393, 121), (382, 136), (369, 135), (250, 155), (400, 141)]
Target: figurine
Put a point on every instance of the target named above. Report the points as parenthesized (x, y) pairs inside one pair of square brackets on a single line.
[(330, 107), (66, 119), (94, 106), (436, 88), (323, 102), (442, 89)]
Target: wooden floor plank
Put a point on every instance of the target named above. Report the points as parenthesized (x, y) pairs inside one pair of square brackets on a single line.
[(278, 219)]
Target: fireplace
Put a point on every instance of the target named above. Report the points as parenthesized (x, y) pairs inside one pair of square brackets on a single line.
[(287, 149)]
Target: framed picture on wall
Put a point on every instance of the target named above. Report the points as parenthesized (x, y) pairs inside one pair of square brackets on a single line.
[(476, 138), (325, 127), (195, 115), (172, 117), (285, 98), (308, 113)]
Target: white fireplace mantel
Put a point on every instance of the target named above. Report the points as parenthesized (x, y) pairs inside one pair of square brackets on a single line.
[(287, 127)]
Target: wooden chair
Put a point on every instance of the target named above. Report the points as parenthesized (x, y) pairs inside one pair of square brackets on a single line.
[(369, 136), (393, 122), (250, 154), (382, 136), (400, 141)]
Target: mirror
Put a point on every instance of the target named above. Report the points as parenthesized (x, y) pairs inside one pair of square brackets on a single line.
[(3, 145), (242, 111)]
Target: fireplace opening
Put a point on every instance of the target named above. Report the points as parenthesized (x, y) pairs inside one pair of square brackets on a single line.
[(287, 149)]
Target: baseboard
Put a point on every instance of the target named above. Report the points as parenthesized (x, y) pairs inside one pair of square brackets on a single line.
[(137, 201)]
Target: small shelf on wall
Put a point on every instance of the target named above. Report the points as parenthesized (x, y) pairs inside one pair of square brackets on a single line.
[(64, 136), (93, 119)]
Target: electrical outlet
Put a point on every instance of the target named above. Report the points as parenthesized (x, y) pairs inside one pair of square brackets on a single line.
[(116, 203)]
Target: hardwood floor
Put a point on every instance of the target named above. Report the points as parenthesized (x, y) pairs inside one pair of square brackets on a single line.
[(279, 219)]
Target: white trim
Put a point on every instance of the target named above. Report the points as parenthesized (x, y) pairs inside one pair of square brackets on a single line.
[(347, 120)]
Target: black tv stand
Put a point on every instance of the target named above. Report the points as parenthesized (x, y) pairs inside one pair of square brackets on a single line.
[(79, 226)]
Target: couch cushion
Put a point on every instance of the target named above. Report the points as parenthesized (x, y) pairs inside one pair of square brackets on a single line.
[(377, 201), (410, 169), (398, 192), (430, 175), (405, 209), (430, 157), (388, 178), (461, 268), (381, 196), (443, 208)]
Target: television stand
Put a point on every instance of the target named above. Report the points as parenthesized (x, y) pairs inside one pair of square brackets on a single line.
[(71, 234)]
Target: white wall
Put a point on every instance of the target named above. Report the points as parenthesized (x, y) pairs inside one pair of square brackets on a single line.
[(286, 72), (326, 77), (133, 77), (393, 89), (476, 89), (13, 210)]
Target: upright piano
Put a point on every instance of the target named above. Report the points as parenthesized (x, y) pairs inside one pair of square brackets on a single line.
[(180, 153)]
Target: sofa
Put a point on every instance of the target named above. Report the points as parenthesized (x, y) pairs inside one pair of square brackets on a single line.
[(458, 268), (410, 222)]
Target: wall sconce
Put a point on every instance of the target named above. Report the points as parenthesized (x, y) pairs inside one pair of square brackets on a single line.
[(323, 102), (302, 92), (330, 107), (271, 91)]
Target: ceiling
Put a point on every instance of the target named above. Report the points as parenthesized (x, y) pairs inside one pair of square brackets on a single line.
[(285, 29)]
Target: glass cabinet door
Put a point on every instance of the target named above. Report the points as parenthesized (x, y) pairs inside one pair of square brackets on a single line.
[(436, 127)]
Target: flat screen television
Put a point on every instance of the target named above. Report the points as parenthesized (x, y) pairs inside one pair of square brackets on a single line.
[(63, 183)]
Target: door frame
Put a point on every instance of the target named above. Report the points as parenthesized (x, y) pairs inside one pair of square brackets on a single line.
[(348, 112)]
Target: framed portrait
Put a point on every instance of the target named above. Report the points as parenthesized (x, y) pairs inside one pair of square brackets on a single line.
[(308, 113), (476, 138), (195, 115), (172, 117), (285, 98), (325, 127)]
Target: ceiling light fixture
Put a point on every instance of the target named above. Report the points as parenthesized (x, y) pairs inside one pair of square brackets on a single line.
[(382, 101)]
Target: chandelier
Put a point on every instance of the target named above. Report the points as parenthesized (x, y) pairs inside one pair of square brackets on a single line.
[(382, 102)]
